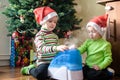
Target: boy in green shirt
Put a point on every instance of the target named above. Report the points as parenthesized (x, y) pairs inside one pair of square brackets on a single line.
[(99, 55)]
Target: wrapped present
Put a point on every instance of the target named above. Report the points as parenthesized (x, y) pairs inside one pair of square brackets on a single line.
[(12, 56), (32, 56)]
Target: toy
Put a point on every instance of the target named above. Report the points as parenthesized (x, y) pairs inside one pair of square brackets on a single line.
[(66, 65)]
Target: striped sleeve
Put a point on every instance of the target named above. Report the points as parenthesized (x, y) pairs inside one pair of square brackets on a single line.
[(41, 45)]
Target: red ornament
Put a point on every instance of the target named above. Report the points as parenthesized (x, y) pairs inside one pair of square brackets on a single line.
[(68, 34), (15, 34)]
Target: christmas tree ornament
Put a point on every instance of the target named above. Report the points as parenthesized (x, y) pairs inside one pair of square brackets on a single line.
[(22, 19), (44, 1), (25, 61), (61, 14), (15, 34), (18, 62), (17, 42), (68, 34)]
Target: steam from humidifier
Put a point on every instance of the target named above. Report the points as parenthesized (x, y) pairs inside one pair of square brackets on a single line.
[(71, 43)]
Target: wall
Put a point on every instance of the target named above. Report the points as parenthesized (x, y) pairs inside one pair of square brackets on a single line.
[(4, 40), (87, 9)]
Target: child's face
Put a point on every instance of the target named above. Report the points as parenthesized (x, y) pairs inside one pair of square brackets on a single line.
[(51, 23), (93, 34)]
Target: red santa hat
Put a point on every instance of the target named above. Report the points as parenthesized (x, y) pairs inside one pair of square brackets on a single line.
[(99, 23), (42, 14)]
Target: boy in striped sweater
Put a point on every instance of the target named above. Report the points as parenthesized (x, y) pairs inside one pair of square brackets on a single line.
[(46, 43)]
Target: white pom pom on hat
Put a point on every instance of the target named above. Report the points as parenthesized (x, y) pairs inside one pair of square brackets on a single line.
[(99, 23), (42, 14)]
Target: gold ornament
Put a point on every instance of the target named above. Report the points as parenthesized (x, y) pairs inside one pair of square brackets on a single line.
[(21, 19)]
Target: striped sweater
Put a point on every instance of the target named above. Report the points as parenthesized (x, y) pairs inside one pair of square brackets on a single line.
[(46, 43)]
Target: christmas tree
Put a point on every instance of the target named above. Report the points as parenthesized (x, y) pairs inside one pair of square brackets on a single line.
[(23, 27), (21, 17)]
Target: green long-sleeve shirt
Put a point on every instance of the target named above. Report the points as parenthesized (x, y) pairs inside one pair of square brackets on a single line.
[(98, 52)]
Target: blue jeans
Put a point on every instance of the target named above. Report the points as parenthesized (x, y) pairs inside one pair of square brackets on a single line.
[(40, 72)]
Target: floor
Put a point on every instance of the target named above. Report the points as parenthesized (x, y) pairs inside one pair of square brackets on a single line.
[(7, 73)]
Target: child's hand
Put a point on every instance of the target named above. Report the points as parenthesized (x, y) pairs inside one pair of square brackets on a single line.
[(96, 67), (62, 48)]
